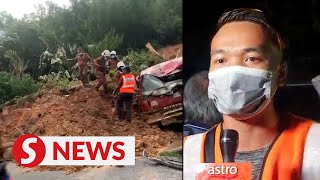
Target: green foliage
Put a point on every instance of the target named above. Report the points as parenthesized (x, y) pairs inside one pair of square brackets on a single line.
[(94, 25), (12, 87), (166, 20), (62, 79), (54, 62), (177, 154), (111, 41), (140, 60), (40, 43), (5, 20), (24, 38), (18, 65)]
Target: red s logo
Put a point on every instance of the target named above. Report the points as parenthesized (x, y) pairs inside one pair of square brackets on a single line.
[(29, 150)]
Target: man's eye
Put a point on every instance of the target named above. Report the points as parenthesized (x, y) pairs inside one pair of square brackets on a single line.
[(251, 59), (219, 61)]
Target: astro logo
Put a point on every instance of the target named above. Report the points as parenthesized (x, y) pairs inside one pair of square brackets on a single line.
[(30, 150)]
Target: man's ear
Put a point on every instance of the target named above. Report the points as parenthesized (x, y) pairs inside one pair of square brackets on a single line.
[(283, 73)]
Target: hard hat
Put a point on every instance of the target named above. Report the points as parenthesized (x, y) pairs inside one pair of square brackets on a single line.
[(113, 53), (120, 64), (105, 53)]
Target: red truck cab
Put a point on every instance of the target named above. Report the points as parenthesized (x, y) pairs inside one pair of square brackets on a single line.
[(160, 91)]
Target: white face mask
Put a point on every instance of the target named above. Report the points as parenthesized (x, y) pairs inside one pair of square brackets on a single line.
[(241, 91)]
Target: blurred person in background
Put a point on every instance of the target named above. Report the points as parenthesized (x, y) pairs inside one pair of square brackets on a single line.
[(199, 110), (113, 61), (4, 175), (120, 65), (82, 59), (100, 70), (246, 69), (3, 172)]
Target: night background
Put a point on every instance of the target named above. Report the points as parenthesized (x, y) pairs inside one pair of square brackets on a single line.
[(297, 22)]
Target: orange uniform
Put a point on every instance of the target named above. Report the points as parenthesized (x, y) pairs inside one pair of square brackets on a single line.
[(290, 156), (125, 97), (82, 60), (112, 63), (99, 65), (128, 83)]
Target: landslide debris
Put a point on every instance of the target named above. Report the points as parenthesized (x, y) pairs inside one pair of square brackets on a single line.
[(83, 112)]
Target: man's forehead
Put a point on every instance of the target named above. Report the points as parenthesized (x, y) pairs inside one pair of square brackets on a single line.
[(241, 49), (239, 34)]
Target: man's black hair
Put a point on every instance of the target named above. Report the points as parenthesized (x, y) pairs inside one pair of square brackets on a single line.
[(255, 16), (198, 107)]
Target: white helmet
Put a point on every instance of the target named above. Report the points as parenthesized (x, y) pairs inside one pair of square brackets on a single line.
[(120, 64), (113, 53), (106, 53)]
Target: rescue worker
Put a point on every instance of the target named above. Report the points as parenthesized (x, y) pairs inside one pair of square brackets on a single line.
[(118, 75), (113, 61), (245, 71), (126, 89), (100, 70), (83, 59), (113, 54)]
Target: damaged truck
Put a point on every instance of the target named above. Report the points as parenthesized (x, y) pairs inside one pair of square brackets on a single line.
[(160, 92)]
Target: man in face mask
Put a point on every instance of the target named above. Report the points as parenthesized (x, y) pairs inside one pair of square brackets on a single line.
[(245, 71)]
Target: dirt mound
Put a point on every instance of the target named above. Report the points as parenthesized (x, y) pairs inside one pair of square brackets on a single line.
[(170, 52), (84, 113)]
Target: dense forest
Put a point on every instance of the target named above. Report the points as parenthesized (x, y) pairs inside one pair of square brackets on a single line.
[(41, 43), (121, 25)]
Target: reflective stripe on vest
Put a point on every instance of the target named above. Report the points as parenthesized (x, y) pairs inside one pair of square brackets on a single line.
[(128, 84), (294, 154), (311, 156), (192, 150), (284, 158)]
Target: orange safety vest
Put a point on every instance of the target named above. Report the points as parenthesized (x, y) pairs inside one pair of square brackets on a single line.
[(128, 84), (291, 156)]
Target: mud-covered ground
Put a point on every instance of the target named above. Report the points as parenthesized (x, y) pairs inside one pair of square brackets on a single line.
[(84, 112)]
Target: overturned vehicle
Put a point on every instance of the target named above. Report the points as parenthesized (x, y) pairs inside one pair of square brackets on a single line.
[(160, 91)]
